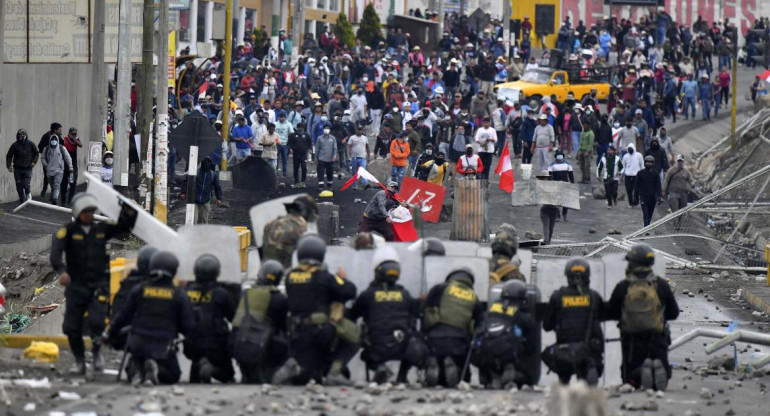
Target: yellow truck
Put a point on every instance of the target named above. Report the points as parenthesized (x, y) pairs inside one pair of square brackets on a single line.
[(535, 84)]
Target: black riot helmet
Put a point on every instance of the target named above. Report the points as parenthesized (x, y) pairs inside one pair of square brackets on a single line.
[(206, 269), (143, 259), (514, 291), (305, 206), (311, 248), (461, 274), (163, 264), (578, 273), (504, 243), (641, 255), (434, 247), (270, 273), (387, 271)]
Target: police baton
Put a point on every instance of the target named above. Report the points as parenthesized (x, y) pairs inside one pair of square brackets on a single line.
[(608, 340), (124, 331), (467, 362)]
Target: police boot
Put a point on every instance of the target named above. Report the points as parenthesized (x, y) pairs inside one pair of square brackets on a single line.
[(495, 382), (660, 375), (78, 367), (97, 356), (288, 371), (335, 376), (382, 374), (509, 373), (431, 372), (205, 370), (451, 372), (151, 372), (132, 373), (592, 376), (647, 376)]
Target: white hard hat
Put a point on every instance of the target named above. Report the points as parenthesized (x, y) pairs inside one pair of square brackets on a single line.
[(439, 90), (81, 202)]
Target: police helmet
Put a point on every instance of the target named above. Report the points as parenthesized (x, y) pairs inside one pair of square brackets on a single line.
[(163, 264), (461, 273), (514, 290), (206, 268), (578, 272), (641, 254), (387, 271), (434, 247), (311, 248), (504, 243), (143, 259), (83, 202), (307, 207), (270, 273)]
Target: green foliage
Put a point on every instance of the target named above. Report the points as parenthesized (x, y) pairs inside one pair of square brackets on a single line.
[(370, 25), (344, 31), (259, 37)]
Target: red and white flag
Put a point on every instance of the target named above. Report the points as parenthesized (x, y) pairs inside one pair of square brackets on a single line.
[(505, 170), (766, 76), (361, 174)]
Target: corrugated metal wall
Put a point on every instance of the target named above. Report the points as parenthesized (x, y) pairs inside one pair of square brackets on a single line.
[(469, 217), (34, 96)]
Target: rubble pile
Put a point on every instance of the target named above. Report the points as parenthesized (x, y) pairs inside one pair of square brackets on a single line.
[(25, 276)]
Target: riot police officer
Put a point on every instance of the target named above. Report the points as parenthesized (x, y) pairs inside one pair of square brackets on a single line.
[(322, 340), (575, 313), (136, 276), (502, 266), (258, 341), (212, 308), (643, 303), (506, 339), (157, 313), (390, 315), (281, 234), (86, 274), (451, 311)]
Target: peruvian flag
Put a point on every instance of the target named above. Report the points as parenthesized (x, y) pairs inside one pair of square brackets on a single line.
[(505, 171), (766, 76), (361, 174)]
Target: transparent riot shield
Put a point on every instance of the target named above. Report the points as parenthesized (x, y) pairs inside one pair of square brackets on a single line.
[(218, 240), (147, 227)]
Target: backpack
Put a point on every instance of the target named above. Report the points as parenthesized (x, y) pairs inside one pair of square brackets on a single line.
[(642, 310), (249, 344)]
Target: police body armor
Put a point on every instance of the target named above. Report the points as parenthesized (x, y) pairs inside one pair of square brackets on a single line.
[(86, 253), (455, 308), (210, 324), (577, 309), (155, 323), (389, 319)]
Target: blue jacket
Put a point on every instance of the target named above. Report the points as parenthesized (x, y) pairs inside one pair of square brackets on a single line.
[(669, 88), (690, 89), (705, 93), (318, 130), (528, 130)]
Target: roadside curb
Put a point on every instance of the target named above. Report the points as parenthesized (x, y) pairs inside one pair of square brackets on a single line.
[(37, 245), (756, 298)]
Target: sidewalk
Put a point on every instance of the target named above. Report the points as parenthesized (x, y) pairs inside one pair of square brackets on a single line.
[(28, 230)]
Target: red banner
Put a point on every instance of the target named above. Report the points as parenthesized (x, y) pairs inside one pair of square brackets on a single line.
[(430, 196)]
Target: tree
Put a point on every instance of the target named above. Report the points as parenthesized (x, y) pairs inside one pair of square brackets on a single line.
[(369, 28), (344, 31)]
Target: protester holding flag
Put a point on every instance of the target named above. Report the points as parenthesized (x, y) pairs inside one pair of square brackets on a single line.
[(377, 214)]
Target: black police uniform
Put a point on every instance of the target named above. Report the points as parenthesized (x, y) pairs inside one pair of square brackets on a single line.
[(451, 311), (506, 336), (212, 309), (390, 314), (639, 347), (275, 309), (576, 314), (88, 265), (157, 312), (311, 290)]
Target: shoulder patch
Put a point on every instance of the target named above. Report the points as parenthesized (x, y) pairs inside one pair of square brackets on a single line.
[(340, 281), (61, 233)]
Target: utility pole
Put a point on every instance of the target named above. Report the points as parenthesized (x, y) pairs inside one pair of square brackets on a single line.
[(275, 23), (440, 19), (228, 59), (297, 26), (734, 86), (507, 13), (123, 98), (2, 61), (98, 79), (160, 188), (144, 92)]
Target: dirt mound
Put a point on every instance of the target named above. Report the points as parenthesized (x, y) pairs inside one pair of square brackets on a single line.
[(23, 273)]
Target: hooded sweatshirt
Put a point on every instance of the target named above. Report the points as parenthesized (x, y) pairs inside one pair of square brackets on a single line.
[(632, 162), (56, 160)]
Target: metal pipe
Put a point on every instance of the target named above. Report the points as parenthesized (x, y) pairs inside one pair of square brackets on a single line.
[(695, 333), (228, 60), (761, 362), (725, 341), (54, 208)]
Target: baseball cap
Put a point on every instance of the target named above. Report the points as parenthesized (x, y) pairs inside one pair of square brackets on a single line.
[(73, 130), (679, 157), (638, 111)]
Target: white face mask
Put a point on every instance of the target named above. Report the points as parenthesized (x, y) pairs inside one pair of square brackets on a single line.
[(108, 161), (327, 131), (365, 79), (616, 125), (428, 152)]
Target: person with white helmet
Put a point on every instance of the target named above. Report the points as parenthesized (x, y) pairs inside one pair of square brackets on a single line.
[(85, 274)]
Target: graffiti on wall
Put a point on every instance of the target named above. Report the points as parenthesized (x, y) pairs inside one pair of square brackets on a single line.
[(741, 12)]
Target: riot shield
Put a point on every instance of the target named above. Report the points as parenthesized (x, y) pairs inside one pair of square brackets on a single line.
[(147, 227), (265, 212), (218, 240), (255, 174)]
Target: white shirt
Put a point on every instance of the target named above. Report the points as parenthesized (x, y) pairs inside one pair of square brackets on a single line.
[(358, 101), (632, 163), (357, 145), (482, 135)]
